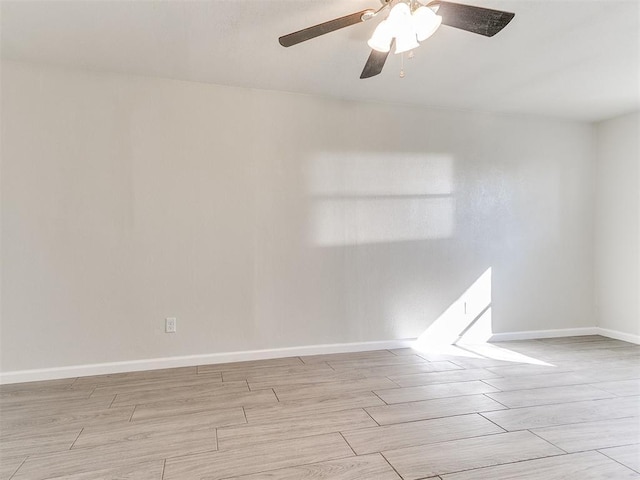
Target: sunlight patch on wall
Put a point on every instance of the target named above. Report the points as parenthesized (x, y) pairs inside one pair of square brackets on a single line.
[(361, 198), (472, 305), (465, 327)]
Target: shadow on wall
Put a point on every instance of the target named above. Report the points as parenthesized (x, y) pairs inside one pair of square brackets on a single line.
[(366, 198)]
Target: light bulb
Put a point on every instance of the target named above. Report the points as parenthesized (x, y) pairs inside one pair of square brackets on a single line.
[(381, 38), (425, 22)]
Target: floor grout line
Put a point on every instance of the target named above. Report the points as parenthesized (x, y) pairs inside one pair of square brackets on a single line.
[(74, 442), (549, 442), (19, 466), (347, 442), (488, 419), (365, 411), (618, 462), (381, 399), (274, 392), (389, 463)]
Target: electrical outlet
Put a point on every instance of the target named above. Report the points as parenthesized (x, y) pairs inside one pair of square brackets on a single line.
[(170, 325)]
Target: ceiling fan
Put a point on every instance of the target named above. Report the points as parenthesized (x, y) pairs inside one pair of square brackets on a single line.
[(408, 23)]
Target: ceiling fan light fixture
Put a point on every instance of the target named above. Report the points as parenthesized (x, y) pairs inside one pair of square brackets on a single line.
[(382, 37), (425, 22)]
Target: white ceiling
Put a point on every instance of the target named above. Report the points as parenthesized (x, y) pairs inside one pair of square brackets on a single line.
[(577, 59)]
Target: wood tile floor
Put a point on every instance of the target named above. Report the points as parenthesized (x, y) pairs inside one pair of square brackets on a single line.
[(564, 408)]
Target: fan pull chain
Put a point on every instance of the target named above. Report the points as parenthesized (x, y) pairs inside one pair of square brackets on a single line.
[(402, 65)]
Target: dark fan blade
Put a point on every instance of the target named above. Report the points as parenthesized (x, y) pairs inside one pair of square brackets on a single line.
[(322, 28), (480, 20), (374, 64)]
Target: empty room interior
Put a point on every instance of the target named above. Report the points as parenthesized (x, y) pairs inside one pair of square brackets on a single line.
[(337, 239)]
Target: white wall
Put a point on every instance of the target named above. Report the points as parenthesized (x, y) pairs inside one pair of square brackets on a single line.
[(618, 224), (265, 220)]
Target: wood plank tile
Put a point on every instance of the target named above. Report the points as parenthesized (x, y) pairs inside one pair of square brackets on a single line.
[(590, 366), (453, 456), (403, 351), (222, 417), (377, 362), (443, 377), (576, 466), (527, 370), (260, 373), (41, 386), (592, 435), (257, 458), (330, 376), (592, 355), (426, 392), (83, 463), (69, 420), (564, 413), (621, 388), (157, 429), (17, 399), (407, 369), (574, 339), (628, 455), (202, 404), (160, 384), (293, 427), (389, 437), (537, 381), (47, 407), (268, 381), (36, 443), (608, 374), (139, 376), (137, 471), (369, 467), (339, 357), (117, 455), (604, 343), (235, 366), (202, 437), (314, 406), (436, 408), (167, 394), (551, 395), (34, 390), (483, 362), (306, 391)]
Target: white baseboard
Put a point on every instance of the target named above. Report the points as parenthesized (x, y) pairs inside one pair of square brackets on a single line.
[(533, 334), (625, 337), (213, 358), (193, 360)]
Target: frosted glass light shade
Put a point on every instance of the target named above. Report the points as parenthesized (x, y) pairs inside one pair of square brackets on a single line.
[(381, 38), (406, 41), (425, 22), (397, 13)]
